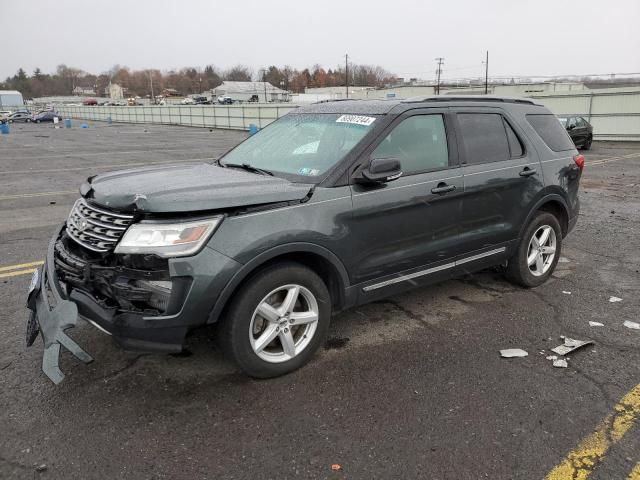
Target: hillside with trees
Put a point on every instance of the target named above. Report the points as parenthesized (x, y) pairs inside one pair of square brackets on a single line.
[(188, 80)]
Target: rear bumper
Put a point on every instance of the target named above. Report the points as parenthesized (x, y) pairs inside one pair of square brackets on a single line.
[(56, 311)]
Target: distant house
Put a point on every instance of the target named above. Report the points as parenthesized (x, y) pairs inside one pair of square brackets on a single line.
[(171, 92), (83, 91), (245, 91), (115, 91)]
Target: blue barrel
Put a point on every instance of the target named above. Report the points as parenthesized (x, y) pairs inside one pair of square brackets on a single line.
[(67, 123), (253, 129), (4, 128), (109, 121), (84, 125)]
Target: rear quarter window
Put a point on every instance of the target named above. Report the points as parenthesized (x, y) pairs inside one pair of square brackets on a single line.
[(551, 131)]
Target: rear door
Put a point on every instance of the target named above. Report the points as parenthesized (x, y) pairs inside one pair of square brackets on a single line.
[(406, 231), (502, 175)]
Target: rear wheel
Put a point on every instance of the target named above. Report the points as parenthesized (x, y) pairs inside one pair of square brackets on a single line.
[(587, 143), (277, 320), (538, 251)]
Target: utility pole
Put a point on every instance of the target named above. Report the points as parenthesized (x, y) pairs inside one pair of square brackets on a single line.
[(151, 82), (346, 74), (486, 74), (440, 61), (264, 83)]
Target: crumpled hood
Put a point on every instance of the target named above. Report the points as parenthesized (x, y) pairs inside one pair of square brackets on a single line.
[(188, 188)]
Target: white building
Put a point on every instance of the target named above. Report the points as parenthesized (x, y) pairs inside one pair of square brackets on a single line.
[(114, 91), (10, 98), (245, 91)]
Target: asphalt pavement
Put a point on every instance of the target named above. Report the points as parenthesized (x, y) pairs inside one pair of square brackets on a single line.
[(409, 387)]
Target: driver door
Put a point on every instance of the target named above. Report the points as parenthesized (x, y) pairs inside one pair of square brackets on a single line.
[(406, 231)]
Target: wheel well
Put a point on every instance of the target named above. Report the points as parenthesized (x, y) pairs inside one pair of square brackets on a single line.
[(320, 265), (556, 209)]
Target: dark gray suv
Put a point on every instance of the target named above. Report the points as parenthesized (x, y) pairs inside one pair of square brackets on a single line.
[(333, 205)]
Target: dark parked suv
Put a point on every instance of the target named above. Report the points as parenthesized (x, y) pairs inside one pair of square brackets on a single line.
[(333, 205)]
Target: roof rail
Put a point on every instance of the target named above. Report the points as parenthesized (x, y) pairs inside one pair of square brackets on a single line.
[(336, 100), (469, 98)]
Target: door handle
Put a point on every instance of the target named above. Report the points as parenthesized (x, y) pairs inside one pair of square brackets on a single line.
[(527, 172), (443, 188)]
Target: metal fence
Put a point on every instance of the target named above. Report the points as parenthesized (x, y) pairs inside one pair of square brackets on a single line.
[(237, 117), (614, 114)]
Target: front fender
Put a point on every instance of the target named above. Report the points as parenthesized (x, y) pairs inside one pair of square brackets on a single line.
[(264, 257)]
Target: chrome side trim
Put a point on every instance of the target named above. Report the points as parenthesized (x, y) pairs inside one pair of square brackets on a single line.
[(95, 325), (429, 271), (481, 255), (408, 277)]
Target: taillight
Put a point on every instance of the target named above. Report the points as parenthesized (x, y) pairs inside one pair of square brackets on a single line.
[(579, 159)]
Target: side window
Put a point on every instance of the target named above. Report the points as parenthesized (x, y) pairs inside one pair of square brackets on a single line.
[(484, 137), (551, 131), (419, 142), (580, 122), (573, 122), (515, 146)]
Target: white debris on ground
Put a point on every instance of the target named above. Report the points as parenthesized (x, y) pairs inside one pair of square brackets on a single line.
[(560, 363), (513, 353), (632, 325), (564, 260), (552, 357), (566, 292), (614, 299), (570, 345), (596, 324)]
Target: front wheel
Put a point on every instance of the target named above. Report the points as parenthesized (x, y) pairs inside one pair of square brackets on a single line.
[(277, 320), (538, 252)]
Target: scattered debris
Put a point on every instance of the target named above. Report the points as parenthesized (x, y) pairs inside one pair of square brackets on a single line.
[(41, 468), (564, 260), (570, 345), (596, 324), (632, 325), (513, 353), (615, 299), (552, 357), (336, 467), (566, 292), (52, 202), (560, 363)]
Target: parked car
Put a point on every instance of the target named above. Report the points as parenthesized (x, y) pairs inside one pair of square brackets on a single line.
[(331, 206), (580, 131), (20, 116), (224, 100), (200, 100), (45, 116), (90, 101)]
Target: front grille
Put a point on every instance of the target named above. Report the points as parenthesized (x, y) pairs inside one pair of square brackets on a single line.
[(94, 228)]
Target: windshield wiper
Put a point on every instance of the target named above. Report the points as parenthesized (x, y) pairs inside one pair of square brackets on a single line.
[(247, 167)]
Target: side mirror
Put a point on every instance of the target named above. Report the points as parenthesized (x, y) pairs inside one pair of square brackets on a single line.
[(381, 170), (571, 127)]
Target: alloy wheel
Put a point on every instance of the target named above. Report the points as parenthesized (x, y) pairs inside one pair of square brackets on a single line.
[(284, 323), (541, 251)]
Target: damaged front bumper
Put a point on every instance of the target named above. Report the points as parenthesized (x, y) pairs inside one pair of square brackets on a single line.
[(56, 307)]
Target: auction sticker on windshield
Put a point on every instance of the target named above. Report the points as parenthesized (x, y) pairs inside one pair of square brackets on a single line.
[(356, 119)]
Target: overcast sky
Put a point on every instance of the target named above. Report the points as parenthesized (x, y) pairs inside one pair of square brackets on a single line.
[(542, 37)]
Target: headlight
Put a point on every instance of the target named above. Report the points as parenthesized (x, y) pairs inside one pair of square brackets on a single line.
[(167, 239)]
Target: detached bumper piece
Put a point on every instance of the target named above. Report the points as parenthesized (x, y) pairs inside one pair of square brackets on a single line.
[(52, 322)]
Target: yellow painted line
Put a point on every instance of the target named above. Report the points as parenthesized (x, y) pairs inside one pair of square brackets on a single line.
[(38, 194), (16, 273), (613, 159), (21, 266), (580, 462), (635, 473)]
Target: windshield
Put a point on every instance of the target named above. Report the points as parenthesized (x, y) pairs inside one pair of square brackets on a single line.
[(302, 144), (563, 121)]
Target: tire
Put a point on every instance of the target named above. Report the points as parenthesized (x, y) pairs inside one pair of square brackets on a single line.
[(256, 343), (28, 120), (587, 143), (518, 269), (37, 121)]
